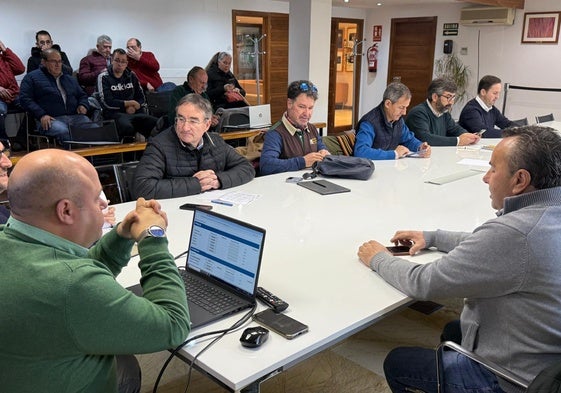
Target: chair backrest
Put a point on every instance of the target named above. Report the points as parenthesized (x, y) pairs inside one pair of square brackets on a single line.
[(158, 102), (94, 133), (544, 118), (124, 174), (520, 122), (233, 119)]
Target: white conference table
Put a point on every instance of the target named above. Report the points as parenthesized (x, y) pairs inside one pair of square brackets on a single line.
[(310, 258)]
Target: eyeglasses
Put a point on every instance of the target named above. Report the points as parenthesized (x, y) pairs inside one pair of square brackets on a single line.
[(449, 97), (308, 87), (47, 42), (6, 152), (180, 121), (120, 61), (56, 62)]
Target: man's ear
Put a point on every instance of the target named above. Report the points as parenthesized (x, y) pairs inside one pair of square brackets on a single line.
[(65, 211), (523, 180), (433, 98)]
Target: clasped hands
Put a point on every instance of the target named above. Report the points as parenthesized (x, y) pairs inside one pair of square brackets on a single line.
[(414, 239), (146, 214), (208, 180)]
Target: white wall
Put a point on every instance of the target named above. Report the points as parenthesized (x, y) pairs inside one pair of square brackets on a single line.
[(184, 33), (491, 50)]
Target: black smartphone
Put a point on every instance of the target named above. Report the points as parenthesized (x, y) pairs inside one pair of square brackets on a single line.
[(280, 323), (399, 250), (192, 206)]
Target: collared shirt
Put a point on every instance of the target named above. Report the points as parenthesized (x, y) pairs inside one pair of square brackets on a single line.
[(437, 114), (46, 238), (291, 127), (483, 104)]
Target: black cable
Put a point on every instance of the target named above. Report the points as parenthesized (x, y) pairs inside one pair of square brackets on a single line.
[(180, 255), (221, 334)]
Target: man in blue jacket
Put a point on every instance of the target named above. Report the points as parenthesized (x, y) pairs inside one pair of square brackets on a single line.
[(382, 133), (55, 99)]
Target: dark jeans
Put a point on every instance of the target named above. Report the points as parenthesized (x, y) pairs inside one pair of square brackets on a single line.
[(128, 374), (413, 369), (129, 125)]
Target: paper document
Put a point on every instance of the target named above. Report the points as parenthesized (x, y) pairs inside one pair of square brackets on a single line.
[(235, 197)]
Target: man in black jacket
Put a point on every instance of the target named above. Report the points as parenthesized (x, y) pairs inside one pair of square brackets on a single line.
[(185, 159), (43, 41)]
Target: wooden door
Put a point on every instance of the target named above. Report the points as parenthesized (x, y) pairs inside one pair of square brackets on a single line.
[(274, 61), (412, 55)]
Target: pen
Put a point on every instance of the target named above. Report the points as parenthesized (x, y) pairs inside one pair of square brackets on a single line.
[(221, 202), (319, 184)]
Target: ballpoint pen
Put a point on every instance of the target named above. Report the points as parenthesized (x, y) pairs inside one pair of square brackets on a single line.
[(221, 202)]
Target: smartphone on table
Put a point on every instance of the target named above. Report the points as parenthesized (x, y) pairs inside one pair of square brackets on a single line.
[(193, 206), (399, 250), (280, 323)]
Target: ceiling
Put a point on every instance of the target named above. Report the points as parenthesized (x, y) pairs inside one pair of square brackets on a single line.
[(372, 3)]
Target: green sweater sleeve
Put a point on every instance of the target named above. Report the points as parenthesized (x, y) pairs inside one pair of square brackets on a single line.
[(105, 318)]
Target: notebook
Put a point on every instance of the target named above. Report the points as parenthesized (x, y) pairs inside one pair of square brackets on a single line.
[(224, 258), (323, 187)]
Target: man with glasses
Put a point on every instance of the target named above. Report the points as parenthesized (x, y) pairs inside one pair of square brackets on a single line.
[(431, 120), (5, 165), (122, 98), (293, 143), (94, 63), (43, 41), (185, 159), (55, 99)]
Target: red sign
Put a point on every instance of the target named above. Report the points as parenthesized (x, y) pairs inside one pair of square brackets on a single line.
[(377, 33)]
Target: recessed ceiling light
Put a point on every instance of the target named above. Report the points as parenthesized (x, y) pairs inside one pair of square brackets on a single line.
[(346, 1), (378, 4)]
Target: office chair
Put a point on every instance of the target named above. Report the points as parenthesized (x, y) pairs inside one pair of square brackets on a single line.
[(124, 175), (95, 133), (547, 381), (544, 118), (157, 103), (520, 122)]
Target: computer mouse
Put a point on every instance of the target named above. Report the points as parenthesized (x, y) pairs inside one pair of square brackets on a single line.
[(253, 337)]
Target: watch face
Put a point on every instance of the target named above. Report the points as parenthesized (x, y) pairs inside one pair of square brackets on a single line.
[(157, 231)]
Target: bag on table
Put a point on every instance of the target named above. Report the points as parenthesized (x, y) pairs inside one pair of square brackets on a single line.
[(347, 167)]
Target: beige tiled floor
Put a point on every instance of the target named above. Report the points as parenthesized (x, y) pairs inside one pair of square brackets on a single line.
[(354, 365)]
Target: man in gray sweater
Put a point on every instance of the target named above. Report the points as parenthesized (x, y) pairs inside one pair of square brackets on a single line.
[(508, 270)]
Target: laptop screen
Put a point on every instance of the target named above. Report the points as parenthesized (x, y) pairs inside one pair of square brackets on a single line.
[(226, 249)]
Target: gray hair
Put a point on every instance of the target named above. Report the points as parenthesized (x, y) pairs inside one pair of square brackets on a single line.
[(395, 91), (104, 38), (198, 101), (537, 150), (440, 85)]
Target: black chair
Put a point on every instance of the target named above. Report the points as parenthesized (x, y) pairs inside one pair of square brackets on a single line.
[(93, 134), (520, 122), (544, 118), (157, 103), (547, 381), (34, 135), (124, 174), (232, 119)]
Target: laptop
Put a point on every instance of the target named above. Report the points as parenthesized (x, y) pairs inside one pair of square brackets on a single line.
[(222, 267), (259, 116)]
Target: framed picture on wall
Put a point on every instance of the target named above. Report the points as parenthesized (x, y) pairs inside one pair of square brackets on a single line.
[(351, 35), (541, 28), (349, 62), (339, 60), (339, 39)]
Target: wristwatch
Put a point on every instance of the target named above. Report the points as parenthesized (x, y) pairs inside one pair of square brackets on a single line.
[(152, 231)]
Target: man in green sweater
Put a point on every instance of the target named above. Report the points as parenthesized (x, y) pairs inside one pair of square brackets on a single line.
[(431, 120), (64, 317)]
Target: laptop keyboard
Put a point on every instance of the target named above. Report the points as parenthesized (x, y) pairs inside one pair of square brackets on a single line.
[(207, 296)]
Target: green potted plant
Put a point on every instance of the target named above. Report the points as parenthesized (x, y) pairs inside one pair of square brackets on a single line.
[(450, 66)]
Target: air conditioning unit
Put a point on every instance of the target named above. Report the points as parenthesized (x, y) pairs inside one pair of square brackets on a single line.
[(496, 16)]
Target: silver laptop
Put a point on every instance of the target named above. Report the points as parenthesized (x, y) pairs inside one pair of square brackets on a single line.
[(259, 116), (222, 267)]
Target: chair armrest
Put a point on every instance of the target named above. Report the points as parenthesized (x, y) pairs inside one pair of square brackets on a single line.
[(493, 367)]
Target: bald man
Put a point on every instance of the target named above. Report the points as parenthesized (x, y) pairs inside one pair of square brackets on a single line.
[(64, 315)]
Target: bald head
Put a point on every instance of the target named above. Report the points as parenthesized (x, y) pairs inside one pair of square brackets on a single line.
[(51, 188)]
